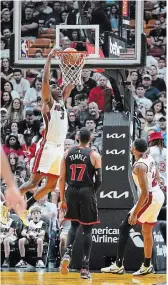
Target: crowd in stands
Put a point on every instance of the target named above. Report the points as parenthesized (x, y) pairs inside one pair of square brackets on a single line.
[(21, 119)]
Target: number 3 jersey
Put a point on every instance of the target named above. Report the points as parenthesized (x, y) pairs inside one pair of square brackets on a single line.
[(56, 123), (153, 185), (79, 169)]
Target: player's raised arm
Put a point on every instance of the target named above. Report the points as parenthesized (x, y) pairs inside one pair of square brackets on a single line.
[(46, 92), (67, 91), (140, 170)]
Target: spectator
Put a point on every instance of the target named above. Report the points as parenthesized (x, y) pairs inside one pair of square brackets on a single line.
[(73, 99), (68, 143), (20, 84), (46, 9), (83, 106), (143, 134), (99, 17), (7, 35), (158, 109), (9, 87), (8, 237), (4, 49), (157, 82), (140, 97), (96, 136), (97, 94), (6, 100), (64, 15), (87, 80), (54, 18), (6, 70), (33, 233), (40, 16), (162, 128), (96, 115), (114, 18), (72, 123), (7, 21), (150, 123), (163, 22), (162, 68), (16, 112), (134, 78), (158, 38), (29, 125), (12, 145), (151, 92), (14, 162), (162, 97), (29, 24), (14, 130), (32, 94), (158, 152), (4, 122), (28, 147)]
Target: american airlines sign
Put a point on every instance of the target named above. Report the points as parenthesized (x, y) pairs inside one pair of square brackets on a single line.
[(114, 195), (115, 136), (115, 151)]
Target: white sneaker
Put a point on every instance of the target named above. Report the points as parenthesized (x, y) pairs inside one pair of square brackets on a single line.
[(144, 270), (40, 264), (113, 268), (22, 264)]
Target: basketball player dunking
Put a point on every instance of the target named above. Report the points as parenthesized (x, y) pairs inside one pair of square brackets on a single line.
[(51, 147), (145, 212), (79, 167)]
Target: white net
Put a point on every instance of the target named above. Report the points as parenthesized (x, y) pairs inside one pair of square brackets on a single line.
[(71, 64)]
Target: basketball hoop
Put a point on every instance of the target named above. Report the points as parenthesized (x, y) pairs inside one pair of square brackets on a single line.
[(71, 63)]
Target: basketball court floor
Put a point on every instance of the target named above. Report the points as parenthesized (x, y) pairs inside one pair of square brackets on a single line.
[(41, 277)]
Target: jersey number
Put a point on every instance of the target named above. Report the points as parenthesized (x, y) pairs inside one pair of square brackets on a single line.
[(62, 115), (154, 179), (82, 168)]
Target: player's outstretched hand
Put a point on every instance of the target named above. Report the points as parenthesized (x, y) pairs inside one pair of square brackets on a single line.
[(53, 52), (63, 206), (15, 201)]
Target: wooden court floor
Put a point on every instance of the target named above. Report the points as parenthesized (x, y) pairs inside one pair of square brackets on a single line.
[(55, 278)]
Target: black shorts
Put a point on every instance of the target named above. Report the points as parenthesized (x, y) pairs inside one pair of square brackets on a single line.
[(82, 205)]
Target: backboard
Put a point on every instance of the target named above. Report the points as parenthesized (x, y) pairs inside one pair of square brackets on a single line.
[(112, 34)]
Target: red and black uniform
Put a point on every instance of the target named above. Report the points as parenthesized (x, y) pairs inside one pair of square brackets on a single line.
[(80, 194)]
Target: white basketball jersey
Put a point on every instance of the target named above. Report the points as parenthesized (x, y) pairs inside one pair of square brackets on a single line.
[(35, 227), (56, 123), (151, 173), (4, 228), (159, 157)]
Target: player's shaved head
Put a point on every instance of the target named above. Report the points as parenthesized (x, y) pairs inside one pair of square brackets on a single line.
[(140, 145), (84, 135)]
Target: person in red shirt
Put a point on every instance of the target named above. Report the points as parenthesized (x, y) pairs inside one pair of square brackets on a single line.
[(29, 148), (13, 145), (98, 93)]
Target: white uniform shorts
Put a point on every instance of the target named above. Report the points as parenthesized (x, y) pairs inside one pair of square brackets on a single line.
[(151, 208), (48, 158)]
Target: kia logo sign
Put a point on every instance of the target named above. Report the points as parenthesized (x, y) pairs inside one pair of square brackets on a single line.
[(114, 168), (115, 151), (115, 136), (114, 195)]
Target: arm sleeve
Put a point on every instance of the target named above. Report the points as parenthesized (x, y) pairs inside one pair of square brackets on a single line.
[(98, 179)]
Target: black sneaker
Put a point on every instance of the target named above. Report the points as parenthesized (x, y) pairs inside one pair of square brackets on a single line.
[(6, 263), (85, 274)]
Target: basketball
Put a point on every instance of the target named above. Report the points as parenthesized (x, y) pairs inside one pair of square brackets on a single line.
[(70, 58)]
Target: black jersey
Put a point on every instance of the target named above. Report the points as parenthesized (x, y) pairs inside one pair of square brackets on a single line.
[(79, 169)]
